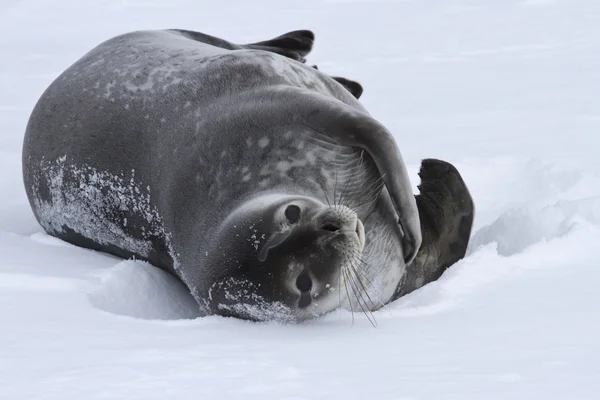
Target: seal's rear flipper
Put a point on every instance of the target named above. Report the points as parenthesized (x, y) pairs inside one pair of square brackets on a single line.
[(353, 87), (446, 212), (295, 45)]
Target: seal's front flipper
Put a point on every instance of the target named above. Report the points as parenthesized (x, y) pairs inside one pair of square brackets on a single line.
[(295, 45), (446, 213)]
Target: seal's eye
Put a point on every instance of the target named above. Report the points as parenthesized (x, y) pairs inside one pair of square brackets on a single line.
[(292, 213)]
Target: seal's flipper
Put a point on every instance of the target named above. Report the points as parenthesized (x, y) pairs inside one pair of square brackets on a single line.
[(208, 39), (352, 86), (295, 45), (446, 212), (352, 127)]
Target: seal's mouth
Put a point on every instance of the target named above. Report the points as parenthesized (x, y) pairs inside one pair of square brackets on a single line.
[(304, 284)]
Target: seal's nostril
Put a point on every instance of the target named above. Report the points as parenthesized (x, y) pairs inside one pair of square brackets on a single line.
[(330, 226), (303, 282)]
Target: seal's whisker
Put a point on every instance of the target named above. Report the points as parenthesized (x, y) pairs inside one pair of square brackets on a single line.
[(340, 289), (335, 188), (344, 190), (358, 276), (375, 187), (353, 290), (359, 296), (348, 294), (361, 274), (372, 193), (327, 198), (340, 195), (373, 200), (353, 180)]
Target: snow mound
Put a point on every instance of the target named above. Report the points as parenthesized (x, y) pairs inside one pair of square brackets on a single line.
[(556, 241), (463, 278), (137, 289), (519, 228)]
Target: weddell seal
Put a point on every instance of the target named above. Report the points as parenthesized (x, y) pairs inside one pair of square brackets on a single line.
[(259, 181)]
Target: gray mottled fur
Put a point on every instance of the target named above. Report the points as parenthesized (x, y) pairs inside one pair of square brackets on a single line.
[(147, 143)]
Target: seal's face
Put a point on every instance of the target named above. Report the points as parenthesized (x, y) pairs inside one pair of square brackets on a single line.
[(298, 253)]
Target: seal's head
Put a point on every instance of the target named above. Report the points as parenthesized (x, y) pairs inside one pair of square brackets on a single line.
[(282, 258)]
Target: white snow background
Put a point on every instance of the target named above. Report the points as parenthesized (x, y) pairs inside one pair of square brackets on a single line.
[(507, 90)]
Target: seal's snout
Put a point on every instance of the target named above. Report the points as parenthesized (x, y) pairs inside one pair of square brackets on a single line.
[(342, 220)]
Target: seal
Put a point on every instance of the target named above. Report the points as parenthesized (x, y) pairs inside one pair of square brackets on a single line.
[(259, 181)]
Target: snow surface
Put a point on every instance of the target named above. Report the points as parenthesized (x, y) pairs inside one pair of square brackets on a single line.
[(508, 90)]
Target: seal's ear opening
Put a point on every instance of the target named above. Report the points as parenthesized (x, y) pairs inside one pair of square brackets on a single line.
[(275, 240), (352, 86)]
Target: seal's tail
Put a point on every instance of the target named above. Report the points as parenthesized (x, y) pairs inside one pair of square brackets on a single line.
[(295, 44)]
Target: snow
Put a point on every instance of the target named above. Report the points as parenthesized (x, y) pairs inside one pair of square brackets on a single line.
[(506, 90)]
